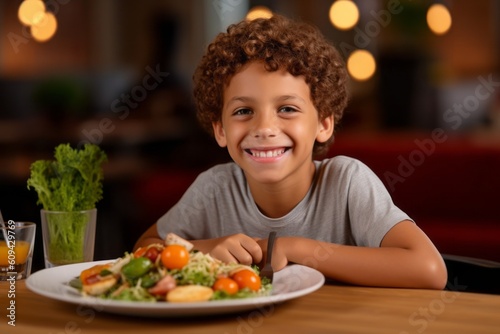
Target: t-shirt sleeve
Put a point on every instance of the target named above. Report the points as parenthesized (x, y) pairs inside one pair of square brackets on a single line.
[(371, 210), (186, 218), (200, 211)]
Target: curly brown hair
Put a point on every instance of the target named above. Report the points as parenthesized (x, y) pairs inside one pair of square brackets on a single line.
[(280, 43)]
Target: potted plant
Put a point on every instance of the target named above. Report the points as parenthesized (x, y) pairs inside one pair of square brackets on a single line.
[(68, 189)]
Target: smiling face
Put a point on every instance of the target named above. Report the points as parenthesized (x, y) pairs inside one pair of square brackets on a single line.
[(269, 125)]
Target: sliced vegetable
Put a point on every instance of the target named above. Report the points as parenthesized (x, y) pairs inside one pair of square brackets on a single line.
[(137, 267), (151, 252), (150, 279), (166, 284), (140, 251), (118, 265)]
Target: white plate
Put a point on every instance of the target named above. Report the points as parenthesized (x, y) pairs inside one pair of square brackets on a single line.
[(291, 282)]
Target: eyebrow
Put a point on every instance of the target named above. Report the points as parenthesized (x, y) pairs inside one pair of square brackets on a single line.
[(251, 99), (290, 97)]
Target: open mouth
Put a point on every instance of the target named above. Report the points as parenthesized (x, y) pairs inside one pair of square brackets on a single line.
[(267, 153)]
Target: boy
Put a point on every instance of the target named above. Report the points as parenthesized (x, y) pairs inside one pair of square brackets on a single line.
[(271, 91)]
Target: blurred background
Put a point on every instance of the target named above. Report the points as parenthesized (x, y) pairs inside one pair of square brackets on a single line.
[(118, 73)]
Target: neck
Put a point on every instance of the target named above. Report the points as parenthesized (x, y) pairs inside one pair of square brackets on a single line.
[(278, 199)]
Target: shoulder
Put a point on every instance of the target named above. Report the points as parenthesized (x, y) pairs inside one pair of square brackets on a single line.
[(222, 174), (341, 164), (345, 172)]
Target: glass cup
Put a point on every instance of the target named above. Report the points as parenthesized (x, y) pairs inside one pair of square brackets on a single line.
[(68, 236), (16, 249)]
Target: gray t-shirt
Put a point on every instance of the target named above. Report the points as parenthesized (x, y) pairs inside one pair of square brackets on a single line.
[(346, 204)]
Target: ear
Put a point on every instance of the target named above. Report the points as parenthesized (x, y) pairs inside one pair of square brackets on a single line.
[(325, 129), (219, 133)]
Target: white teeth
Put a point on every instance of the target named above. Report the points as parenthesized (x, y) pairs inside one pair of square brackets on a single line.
[(268, 154)]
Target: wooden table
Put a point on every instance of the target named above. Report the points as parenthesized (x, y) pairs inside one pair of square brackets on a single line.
[(339, 309)]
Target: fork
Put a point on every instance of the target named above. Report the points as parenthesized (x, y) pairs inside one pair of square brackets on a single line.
[(267, 271)]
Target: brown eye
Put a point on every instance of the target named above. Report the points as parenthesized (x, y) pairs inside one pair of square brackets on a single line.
[(287, 109), (242, 111)]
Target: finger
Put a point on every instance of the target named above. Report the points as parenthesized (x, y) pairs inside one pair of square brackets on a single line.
[(231, 253), (252, 248), (279, 264), (223, 254), (242, 256)]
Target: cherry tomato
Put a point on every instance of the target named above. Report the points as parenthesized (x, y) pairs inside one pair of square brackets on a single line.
[(247, 279), (152, 253), (227, 285), (174, 256)]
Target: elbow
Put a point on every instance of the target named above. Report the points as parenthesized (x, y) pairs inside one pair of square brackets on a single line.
[(436, 274)]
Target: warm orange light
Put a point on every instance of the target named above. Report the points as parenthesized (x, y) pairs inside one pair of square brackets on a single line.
[(31, 11), (259, 12), (438, 19), (361, 65), (45, 28), (344, 14)]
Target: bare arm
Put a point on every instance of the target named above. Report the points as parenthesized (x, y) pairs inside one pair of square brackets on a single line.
[(406, 258), (149, 237)]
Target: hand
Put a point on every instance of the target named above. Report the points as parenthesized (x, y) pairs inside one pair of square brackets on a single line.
[(280, 259), (238, 248)]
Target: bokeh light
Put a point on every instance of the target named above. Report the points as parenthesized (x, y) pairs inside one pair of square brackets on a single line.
[(361, 65), (31, 11), (45, 28), (438, 19), (259, 12), (344, 14)]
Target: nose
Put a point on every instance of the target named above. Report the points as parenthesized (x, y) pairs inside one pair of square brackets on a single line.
[(265, 126)]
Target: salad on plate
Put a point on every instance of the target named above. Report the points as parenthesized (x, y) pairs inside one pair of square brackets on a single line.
[(172, 272)]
